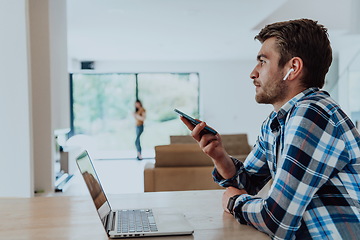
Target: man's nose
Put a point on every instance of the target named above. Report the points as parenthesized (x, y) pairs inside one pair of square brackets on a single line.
[(254, 74)]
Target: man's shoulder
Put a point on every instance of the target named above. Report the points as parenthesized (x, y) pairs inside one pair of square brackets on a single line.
[(320, 100)]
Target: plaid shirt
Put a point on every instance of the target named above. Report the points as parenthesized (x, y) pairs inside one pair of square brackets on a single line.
[(316, 174)]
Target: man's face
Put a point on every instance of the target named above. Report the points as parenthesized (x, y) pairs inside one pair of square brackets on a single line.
[(267, 76)]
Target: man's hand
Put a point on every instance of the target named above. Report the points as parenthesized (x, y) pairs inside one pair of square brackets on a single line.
[(211, 145), (230, 191)]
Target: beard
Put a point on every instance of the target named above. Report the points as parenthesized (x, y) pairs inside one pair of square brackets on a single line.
[(272, 92)]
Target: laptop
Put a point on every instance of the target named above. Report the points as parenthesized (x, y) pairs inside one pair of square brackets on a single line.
[(127, 223)]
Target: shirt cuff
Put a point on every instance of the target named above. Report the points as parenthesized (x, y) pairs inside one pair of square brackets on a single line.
[(239, 203), (231, 181)]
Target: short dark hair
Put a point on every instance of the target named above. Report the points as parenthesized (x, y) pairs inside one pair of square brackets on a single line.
[(306, 39)]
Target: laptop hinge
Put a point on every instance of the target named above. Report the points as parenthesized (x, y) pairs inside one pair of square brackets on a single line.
[(110, 221)]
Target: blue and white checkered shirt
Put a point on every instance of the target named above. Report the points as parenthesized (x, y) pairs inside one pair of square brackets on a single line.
[(316, 174)]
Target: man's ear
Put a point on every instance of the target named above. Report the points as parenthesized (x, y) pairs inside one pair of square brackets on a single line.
[(297, 65)]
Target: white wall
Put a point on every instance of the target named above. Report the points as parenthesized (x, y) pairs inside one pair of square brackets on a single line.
[(349, 50), (227, 94), (16, 178), (33, 72)]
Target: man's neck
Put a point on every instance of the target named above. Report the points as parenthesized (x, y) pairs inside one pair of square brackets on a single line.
[(290, 95)]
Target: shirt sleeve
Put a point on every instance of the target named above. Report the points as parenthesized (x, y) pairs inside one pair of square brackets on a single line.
[(251, 175), (310, 156)]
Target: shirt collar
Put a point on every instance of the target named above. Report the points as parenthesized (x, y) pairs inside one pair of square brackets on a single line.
[(279, 117)]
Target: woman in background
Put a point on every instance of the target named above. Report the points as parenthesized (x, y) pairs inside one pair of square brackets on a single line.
[(140, 115)]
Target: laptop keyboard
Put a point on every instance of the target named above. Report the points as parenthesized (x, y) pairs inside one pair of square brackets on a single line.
[(133, 221)]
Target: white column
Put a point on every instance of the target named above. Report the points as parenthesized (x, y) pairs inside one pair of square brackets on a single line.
[(16, 178), (60, 87), (50, 84), (40, 62)]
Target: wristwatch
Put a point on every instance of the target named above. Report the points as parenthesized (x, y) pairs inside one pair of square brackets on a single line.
[(231, 203)]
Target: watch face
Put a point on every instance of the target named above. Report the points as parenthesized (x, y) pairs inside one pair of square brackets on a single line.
[(231, 203)]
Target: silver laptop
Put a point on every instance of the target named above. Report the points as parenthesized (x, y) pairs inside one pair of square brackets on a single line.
[(127, 223)]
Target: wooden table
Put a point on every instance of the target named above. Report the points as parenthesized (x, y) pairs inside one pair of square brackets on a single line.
[(75, 217)]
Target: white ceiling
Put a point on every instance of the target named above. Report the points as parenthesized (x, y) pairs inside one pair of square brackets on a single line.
[(188, 30)]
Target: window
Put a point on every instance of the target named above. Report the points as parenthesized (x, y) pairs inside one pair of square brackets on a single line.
[(102, 107)]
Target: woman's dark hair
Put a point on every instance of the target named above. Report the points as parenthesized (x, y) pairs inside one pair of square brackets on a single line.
[(136, 108), (306, 39)]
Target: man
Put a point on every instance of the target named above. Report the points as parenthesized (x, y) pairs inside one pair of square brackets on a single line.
[(308, 147)]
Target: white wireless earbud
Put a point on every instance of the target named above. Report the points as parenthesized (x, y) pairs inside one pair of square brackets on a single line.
[(288, 73)]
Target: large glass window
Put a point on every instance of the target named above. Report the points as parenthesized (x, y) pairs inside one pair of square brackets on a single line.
[(103, 106), (160, 94)]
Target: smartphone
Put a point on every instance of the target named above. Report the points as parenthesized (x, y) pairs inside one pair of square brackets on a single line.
[(196, 122)]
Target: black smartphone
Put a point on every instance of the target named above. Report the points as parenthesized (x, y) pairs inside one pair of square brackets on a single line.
[(196, 122)]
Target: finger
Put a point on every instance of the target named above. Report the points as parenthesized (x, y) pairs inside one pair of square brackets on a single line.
[(210, 146), (188, 124), (197, 132), (208, 139)]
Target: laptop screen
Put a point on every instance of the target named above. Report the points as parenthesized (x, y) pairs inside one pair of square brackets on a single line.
[(92, 181)]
